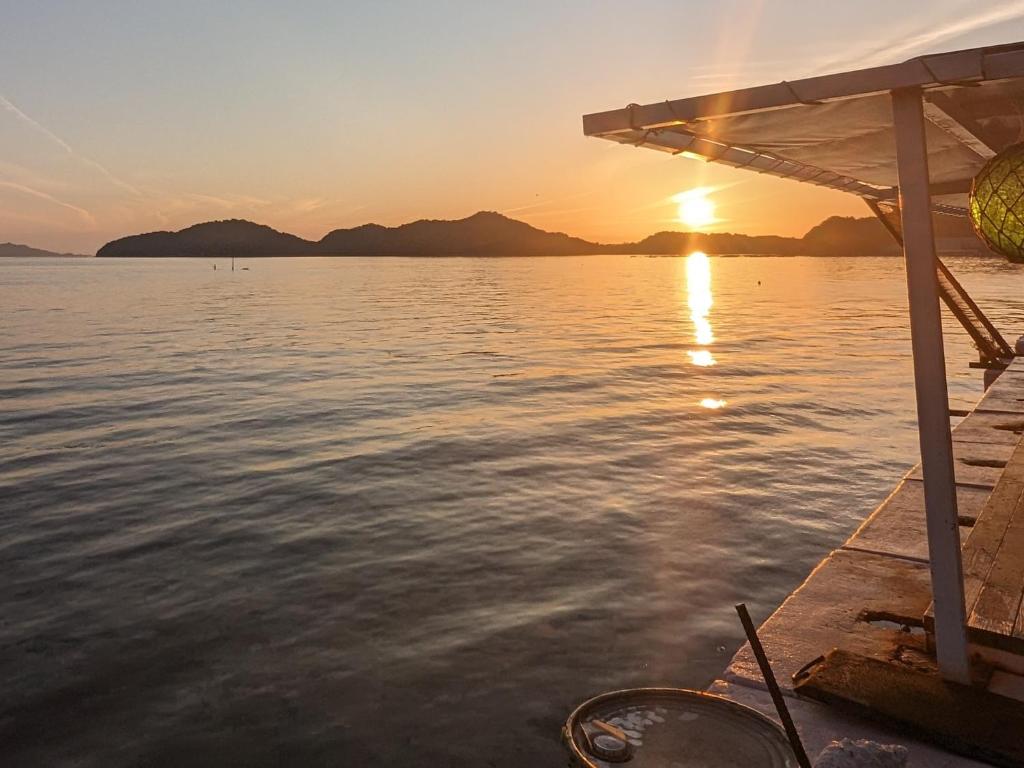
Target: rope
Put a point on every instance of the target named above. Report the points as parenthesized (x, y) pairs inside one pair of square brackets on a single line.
[(796, 96)]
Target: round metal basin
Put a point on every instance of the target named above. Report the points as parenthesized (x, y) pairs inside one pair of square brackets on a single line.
[(673, 728)]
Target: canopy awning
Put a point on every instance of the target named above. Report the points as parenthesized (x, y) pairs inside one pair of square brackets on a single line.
[(837, 130), (909, 137)]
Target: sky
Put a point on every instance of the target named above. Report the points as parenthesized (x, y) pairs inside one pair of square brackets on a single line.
[(118, 117)]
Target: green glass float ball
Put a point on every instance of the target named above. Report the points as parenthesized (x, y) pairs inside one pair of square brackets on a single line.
[(997, 203)]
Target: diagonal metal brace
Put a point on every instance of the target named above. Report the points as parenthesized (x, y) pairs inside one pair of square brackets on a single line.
[(992, 347)]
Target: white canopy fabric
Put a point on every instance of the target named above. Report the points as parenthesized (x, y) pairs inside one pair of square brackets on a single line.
[(916, 132), (837, 130)]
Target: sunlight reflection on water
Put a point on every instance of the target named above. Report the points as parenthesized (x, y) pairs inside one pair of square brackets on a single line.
[(699, 299), (701, 357), (369, 511)]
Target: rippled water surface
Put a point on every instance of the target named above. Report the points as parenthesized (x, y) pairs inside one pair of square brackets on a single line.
[(410, 512)]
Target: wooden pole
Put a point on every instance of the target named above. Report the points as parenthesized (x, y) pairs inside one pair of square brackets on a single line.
[(773, 686), (930, 382)]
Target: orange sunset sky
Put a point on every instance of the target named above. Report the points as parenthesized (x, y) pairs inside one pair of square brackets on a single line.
[(122, 117)]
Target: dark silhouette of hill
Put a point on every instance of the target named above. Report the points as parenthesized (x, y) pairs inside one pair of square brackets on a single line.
[(482, 234), (669, 243), (835, 236), (16, 251), (492, 234), (849, 236), (233, 237)]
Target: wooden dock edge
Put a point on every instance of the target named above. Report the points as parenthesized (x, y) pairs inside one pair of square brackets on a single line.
[(841, 603)]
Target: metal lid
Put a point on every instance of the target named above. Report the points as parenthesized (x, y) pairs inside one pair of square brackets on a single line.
[(666, 727)]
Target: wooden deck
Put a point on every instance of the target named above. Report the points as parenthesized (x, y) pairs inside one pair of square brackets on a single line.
[(870, 597), (993, 553), (961, 718)]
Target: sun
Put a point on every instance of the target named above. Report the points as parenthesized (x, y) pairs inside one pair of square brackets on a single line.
[(696, 209)]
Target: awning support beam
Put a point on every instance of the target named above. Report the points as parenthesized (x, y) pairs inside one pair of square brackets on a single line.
[(943, 112), (930, 383), (990, 343)]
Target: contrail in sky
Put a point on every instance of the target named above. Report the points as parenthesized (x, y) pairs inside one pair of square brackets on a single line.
[(35, 124), (6, 104), (546, 202), (920, 42), (49, 198)]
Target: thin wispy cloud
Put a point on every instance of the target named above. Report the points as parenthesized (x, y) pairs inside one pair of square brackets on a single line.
[(308, 206), (88, 217), (35, 124), (528, 207), (546, 202), (560, 212), (27, 119), (10, 217), (109, 176), (905, 46)]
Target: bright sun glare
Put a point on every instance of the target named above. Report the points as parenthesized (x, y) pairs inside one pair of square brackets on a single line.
[(696, 209)]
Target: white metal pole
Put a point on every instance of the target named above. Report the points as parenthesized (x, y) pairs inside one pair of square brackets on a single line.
[(930, 382)]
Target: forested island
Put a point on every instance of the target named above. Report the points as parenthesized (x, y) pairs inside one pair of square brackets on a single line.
[(492, 234)]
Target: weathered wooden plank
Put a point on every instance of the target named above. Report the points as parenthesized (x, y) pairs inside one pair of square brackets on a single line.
[(1015, 368), (977, 464), (1014, 469), (995, 611), (897, 527), (1018, 626), (1006, 395), (990, 428), (982, 546), (833, 606), (993, 559), (963, 719)]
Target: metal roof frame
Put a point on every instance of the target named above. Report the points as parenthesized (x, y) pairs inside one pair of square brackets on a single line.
[(673, 126), (967, 67), (917, 90)]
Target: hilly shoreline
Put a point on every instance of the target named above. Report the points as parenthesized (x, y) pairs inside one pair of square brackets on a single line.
[(19, 251), (492, 234)]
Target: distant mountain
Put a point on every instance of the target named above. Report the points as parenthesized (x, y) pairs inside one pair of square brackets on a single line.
[(668, 243), (233, 237), (492, 234), (16, 251), (482, 234), (835, 236), (849, 236)]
